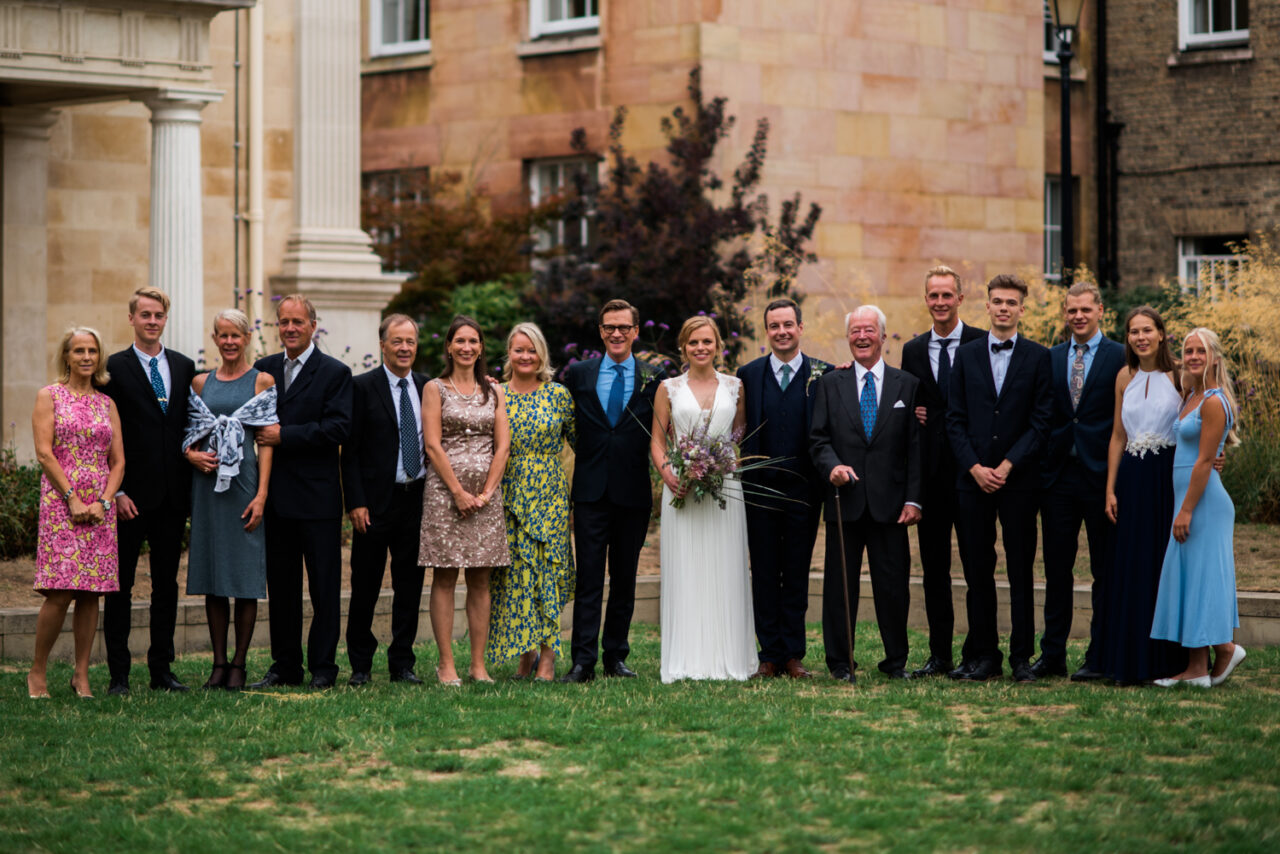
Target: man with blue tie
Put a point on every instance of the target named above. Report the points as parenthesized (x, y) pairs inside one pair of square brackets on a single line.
[(612, 498), (383, 472), (998, 411), (1075, 480)]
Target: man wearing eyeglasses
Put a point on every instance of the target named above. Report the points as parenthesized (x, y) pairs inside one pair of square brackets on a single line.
[(612, 500)]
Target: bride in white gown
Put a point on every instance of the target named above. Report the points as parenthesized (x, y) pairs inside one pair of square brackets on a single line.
[(708, 631)]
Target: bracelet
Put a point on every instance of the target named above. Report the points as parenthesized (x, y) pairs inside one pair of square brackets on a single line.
[(66, 496)]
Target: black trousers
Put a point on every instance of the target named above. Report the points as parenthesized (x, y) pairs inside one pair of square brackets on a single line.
[(394, 531), (604, 531), (934, 536), (290, 543), (1078, 496), (976, 514), (780, 542), (162, 528), (888, 552)]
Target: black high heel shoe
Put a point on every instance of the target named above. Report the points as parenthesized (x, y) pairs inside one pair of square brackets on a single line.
[(217, 678), (231, 671)]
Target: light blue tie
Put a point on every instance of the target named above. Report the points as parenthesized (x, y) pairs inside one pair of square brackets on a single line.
[(616, 397), (867, 403), (408, 433), (157, 385), (786, 377)]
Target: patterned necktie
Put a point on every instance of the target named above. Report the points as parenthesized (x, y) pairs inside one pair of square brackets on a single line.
[(157, 385), (616, 397), (944, 368), (867, 403), (1077, 375), (408, 432), (786, 377), (290, 368)]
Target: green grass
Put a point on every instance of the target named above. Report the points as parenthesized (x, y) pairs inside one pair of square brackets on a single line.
[(633, 765)]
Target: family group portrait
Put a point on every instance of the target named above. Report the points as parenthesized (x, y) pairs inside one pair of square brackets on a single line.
[(586, 425)]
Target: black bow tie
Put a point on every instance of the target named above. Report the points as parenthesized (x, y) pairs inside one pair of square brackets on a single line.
[(1007, 345)]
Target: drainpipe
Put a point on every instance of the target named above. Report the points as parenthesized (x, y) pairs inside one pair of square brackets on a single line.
[(254, 215)]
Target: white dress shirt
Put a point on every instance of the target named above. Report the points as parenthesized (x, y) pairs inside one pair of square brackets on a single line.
[(1000, 361), (162, 364), (935, 347), (775, 364), (302, 360), (877, 370), (412, 389)]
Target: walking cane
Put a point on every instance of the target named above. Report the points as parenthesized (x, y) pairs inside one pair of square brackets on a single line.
[(844, 578)]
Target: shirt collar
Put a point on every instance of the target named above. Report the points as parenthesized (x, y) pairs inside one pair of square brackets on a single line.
[(395, 380), (775, 364), (628, 364), (953, 335), (159, 357), (304, 355), (877, 370), (992, 339), (1092, 343)]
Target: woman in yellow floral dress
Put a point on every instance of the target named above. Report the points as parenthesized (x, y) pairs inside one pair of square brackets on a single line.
[(529, 595)]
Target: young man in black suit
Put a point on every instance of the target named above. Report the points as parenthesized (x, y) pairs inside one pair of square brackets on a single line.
[(383, 472), (304, 508), (998, 413), (928, 357), (781, 529), (612, 500), (1075, 480), (149, 384), (864, 441)]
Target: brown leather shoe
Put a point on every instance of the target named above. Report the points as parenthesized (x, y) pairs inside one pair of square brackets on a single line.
[(767, 669), (796, 670)]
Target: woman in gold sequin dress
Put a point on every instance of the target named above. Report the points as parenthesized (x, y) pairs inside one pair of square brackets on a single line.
[(464, 432)]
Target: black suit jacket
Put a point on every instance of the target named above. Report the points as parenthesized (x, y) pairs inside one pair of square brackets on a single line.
[(933, 436), (887, 464), (155, 473), (1088, 427), (754, 375), (372, 451), (611, 463), (988, 429), (315, 419)]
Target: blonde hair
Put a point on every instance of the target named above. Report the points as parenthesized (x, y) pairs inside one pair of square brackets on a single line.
[(300, 299), (697, 322), (100, 376), (150, 293), (1217, 359), (539, 341), (944, 270)]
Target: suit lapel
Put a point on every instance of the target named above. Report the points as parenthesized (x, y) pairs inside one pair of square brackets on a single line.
[(1100, 359), (1016, 360), (848, 388), (305, 373), (984, 358), (388, 404), (1058, 357), (591, 398), (143, 381)]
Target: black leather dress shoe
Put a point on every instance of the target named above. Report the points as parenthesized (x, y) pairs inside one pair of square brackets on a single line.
[(1087, 674), (1023, 672), (119, 688), (844, 674), (933, 667), (406, 675), (1044, 668), (167, 682), (900, 673), (320, 683), (579, 673), (965, 668), (982, 671), (271, 679), (619, 668), (358, 678)]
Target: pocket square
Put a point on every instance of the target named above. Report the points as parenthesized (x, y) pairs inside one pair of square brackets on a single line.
[(899, 405)]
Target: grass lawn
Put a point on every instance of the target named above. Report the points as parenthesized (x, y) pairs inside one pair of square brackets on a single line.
[(634, 765)]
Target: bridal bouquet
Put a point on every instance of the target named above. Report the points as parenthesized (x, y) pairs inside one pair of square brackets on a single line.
[(701, 462)]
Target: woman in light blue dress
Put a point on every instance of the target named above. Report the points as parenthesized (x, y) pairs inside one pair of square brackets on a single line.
[(1196, 603)]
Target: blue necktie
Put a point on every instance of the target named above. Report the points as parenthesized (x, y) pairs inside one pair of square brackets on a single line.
[(408, 432), (944, 368), (867, 403), (786, 377), (616, 397), (157, 385)]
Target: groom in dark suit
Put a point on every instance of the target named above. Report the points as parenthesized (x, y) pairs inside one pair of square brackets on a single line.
[(304, 507), (612, 498), (1074, 480), (865, 441), (998, 419), (383, 472), (149, 384), (781, 528), (928, 357)]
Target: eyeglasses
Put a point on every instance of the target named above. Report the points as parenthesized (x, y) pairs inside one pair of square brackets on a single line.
[(621, 329)]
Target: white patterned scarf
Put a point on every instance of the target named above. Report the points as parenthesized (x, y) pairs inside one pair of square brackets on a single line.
[(227, 431)]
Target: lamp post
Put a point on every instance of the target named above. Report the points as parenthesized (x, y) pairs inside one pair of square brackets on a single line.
[(1066, 16)]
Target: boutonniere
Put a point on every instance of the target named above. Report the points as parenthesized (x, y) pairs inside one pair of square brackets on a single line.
[(646, 379), (816, 370)]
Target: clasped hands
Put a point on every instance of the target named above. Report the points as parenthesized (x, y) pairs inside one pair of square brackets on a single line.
[(85, 514), (991, 479), (469, 504)]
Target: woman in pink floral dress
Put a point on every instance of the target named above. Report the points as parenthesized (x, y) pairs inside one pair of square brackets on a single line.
[(77, 437)]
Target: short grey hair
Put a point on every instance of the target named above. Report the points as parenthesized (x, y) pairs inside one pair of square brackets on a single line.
[(235, 317), (880, 318)]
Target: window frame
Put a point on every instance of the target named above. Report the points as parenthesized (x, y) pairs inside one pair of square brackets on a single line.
[(1050, 56), (379, 48), (1231, 263), (1052, 225), (397, 182), (553, 237), (539, 26), (1187, 40)]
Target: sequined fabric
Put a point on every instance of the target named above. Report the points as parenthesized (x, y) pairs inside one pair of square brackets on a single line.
[(448, 540)]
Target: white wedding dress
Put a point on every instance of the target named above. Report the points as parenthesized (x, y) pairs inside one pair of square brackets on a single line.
[(708, 631)]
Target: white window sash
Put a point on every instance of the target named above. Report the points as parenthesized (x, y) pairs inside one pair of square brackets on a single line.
[(540, 26), (1188, 39), (1052, 227), (539, 190), (1205, 271), (377, 47)]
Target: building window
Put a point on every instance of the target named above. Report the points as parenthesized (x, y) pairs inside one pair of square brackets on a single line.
[(551, 179), (389, 198), (399, 26), (1050, 36), (551, 17), (1208, 262), (1210, 23), (1052, 228)]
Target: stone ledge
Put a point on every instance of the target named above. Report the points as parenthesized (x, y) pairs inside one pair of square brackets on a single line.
[(1208, 56)]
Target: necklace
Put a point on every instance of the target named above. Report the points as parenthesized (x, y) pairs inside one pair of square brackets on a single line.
[(460, 394)]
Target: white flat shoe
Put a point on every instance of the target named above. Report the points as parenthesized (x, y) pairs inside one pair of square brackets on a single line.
[(1237, 656), (1167, 683), (1196, 682)]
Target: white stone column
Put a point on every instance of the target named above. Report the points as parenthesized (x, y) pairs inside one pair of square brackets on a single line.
[(328, 257), (25, 366), (177, 213)]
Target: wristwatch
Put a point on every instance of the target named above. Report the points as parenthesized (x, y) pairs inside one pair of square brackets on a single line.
[(106, 504)]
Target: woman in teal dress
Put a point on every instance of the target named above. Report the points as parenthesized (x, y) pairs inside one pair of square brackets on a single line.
[(529, 595)]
